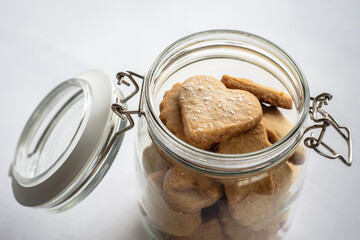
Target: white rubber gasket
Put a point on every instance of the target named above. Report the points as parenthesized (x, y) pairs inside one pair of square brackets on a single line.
[(84, 150)]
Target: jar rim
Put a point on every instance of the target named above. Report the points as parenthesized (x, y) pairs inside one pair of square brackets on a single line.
[(217, 162)]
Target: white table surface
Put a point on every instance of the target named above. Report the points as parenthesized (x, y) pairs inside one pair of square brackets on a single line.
[(43, 43)]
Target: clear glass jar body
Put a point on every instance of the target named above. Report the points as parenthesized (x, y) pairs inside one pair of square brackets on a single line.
[(188, 193)]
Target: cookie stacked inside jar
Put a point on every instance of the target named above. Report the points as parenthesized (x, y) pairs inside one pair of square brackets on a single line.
[(231, 116)]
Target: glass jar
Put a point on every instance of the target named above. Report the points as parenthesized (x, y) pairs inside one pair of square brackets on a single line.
[(185, 192), (188, 193)]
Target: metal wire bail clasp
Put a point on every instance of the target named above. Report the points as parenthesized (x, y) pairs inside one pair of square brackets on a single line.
[(119, 108), (324, 120)]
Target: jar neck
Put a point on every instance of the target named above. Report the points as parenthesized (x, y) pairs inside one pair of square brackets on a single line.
[(233, 46)]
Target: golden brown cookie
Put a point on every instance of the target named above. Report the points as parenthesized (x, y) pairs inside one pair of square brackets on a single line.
[(255, 210), (250, 201), (183, 180), (249, 141), (265, 94), (235, 231), (277, 126), (210, 230), (187, 193), (170, 114), (231, 228), (237, 190), (284, 176), (212, 113), (170, 221)]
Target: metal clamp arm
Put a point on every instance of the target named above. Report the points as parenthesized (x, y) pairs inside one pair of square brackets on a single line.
[(324, 120), (118, 108)]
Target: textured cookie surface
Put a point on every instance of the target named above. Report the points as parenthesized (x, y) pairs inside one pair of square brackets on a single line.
[(212, 113), (256, 210), (262, 184), (189, 194), (265, 94), (236, 231), (250, 141), (170, 114), (183, 181), (276, 125)]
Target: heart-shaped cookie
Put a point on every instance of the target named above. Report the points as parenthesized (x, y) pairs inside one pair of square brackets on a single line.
[(189, 194), (212, 113)]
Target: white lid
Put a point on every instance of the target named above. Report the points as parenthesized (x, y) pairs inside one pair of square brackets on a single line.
[(58, 158)]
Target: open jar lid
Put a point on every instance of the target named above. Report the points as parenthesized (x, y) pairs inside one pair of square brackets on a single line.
[(64, 149)]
